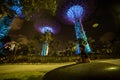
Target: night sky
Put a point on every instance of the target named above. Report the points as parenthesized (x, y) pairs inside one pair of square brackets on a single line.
[(106, 14)]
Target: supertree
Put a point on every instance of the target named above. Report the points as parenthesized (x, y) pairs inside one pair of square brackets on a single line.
[(10, 8), (23, 9), (73, 12), (47, 28)]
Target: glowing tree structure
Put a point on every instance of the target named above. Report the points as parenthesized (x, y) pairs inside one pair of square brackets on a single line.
[(74, 13), (5, 21), (47, 31), (47, 28)]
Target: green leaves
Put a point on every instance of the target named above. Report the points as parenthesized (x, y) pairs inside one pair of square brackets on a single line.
[(82, 41), (32, 6)]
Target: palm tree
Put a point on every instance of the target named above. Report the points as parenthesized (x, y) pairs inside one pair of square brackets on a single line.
[(54, 47), (11, 48), (23, 44), (71, 48), (31, 47)]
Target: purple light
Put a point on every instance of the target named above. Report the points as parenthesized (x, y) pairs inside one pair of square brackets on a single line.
[(71, 9), (43, 26), (46, 29), (75, 12)]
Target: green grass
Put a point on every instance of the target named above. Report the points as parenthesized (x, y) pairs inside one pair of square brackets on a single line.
[(26, 71), (29, 75)]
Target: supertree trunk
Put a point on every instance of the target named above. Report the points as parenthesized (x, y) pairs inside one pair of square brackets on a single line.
[(6, 20), (45, 49), (71, 12), (47, 39), (48, 28), (80, 34)]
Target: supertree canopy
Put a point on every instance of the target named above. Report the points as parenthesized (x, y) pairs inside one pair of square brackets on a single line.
[(74, 12), (44, 25), (71, 10), (47, 28)]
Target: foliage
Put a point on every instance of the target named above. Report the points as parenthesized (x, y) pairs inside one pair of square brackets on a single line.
[(10, 48), (14, 48), (54, 46), (71, 48), (32, 6), (82, 41), (55, 59)]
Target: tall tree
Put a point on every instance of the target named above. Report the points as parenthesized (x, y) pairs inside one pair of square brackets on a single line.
[(54, 47), (71, 48), (32, 6)]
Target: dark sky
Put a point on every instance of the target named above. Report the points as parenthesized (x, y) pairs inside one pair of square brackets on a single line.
[(106, 14)]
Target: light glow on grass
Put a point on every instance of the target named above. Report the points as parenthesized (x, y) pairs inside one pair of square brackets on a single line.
[(27, 71), (30, 75)]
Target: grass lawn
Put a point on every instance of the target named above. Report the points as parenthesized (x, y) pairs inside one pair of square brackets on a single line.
[(27, 71)]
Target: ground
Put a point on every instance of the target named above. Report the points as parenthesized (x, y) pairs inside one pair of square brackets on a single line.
[(36, 71), (108, 69), (27, 71)]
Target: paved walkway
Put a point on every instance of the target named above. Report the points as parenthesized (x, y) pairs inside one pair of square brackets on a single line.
[(96, 70)]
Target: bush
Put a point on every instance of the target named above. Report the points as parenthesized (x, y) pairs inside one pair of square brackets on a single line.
[(49, 59)]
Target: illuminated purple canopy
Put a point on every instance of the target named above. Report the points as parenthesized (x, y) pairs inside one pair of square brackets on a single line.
[(74, 13), (46, 29), (47, 25), (75, 9)]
